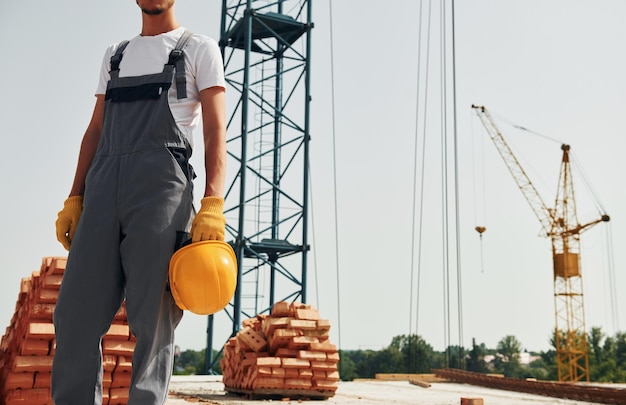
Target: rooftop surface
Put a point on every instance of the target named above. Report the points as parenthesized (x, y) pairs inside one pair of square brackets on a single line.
[(209, 389)]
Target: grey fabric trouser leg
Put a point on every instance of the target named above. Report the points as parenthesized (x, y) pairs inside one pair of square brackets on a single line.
[(125, 238)]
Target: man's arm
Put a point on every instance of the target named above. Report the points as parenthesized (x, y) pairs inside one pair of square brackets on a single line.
[(213, 102), (210, 223), (88, 147), (72, 207)]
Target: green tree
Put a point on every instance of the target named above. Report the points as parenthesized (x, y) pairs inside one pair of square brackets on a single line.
[(347, 368), (416, 353), (476, 358), (190, 362), (193, 362), (538, 369), (508, 362)]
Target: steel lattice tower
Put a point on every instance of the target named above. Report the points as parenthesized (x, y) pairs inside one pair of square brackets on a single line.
[(266, 49)]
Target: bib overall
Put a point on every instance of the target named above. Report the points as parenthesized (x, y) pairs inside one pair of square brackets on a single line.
[(138, 194)]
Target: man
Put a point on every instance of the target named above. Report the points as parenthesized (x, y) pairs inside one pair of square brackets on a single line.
[(131, 195)]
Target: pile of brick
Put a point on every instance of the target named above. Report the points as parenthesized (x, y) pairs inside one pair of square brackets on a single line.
[(287, 354), (28, 346)]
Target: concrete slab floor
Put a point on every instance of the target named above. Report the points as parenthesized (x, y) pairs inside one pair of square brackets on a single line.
[(210, 390)]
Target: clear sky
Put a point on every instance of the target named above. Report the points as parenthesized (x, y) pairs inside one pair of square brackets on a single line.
[(555, 67)]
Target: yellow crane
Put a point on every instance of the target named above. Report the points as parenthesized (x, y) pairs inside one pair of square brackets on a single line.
[(561, 225)]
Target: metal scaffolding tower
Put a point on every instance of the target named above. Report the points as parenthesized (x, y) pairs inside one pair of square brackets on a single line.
[(266, 49)]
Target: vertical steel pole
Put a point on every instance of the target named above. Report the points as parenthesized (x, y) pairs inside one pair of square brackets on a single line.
[(245, 97), (307, 138)]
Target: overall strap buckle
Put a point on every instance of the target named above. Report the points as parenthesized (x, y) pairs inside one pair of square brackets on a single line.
[(177, 59), (117, 58)]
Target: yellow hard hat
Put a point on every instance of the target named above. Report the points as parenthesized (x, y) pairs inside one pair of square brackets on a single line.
[(203, 276)]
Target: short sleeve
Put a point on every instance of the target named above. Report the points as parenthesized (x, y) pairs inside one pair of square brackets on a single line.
[(104, 70), (209, 65)]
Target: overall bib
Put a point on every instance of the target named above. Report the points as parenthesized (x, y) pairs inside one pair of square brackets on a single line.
[(138, 194)]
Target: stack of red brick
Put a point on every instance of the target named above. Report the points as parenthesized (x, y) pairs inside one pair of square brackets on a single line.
[(286, 353), (27, 348)]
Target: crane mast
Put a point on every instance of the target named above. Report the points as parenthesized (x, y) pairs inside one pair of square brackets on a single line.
[(562, 226)]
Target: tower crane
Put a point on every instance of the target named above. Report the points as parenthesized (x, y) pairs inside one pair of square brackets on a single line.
[(561, 225)]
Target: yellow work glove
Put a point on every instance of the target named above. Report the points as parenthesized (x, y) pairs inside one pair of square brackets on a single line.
[(67, 220), (209, 223)]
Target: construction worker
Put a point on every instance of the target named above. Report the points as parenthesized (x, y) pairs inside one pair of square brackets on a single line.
[(132, 193)]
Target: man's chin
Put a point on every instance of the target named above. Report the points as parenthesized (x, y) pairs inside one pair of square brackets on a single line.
[(153, 11)]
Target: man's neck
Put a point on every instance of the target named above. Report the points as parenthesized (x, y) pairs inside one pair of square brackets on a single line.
[(158, 24)]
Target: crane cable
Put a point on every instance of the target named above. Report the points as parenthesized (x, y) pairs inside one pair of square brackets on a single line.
[(332, 91), (421, 205), (445, 223), (612, 280), (445, 191), (608, 237), (479, 228), (456, 196)]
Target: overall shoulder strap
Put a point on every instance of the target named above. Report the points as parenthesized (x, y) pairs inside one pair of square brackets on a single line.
[(177, 59), (117, 58)]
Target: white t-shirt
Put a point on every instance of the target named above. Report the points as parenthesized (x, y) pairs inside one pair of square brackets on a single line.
[(204, 68)]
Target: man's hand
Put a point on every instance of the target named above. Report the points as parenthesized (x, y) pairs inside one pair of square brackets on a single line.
[(209, 223), (67, 220)]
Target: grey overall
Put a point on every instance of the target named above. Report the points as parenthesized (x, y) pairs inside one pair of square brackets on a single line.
[(138, 194)]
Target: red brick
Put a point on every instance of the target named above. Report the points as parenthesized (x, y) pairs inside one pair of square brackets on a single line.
[(107, 379), (268, 382), (268, 361), (323, 365), (42, 380), (297, 383), (332, 375), (253, 323), (124, 364), (323, 324), (57, 265), (286, 352), (318, 333), (252, 339), (301, 342), (121, 313), (311, 355), (285, 333), (332, 357), (295, 363), (109, 362), (118, 396), (117, 332), (48, 296), (471, 401), (302, 324), (269, 325), (118, 347), (278, 372), (42, 311), (281, 308), (324, 346), (309, 314), (40, 330), (19, 380), (35, 347), (28, 396), (325, 385), (32, 363), (52, 281), (120, 380)]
